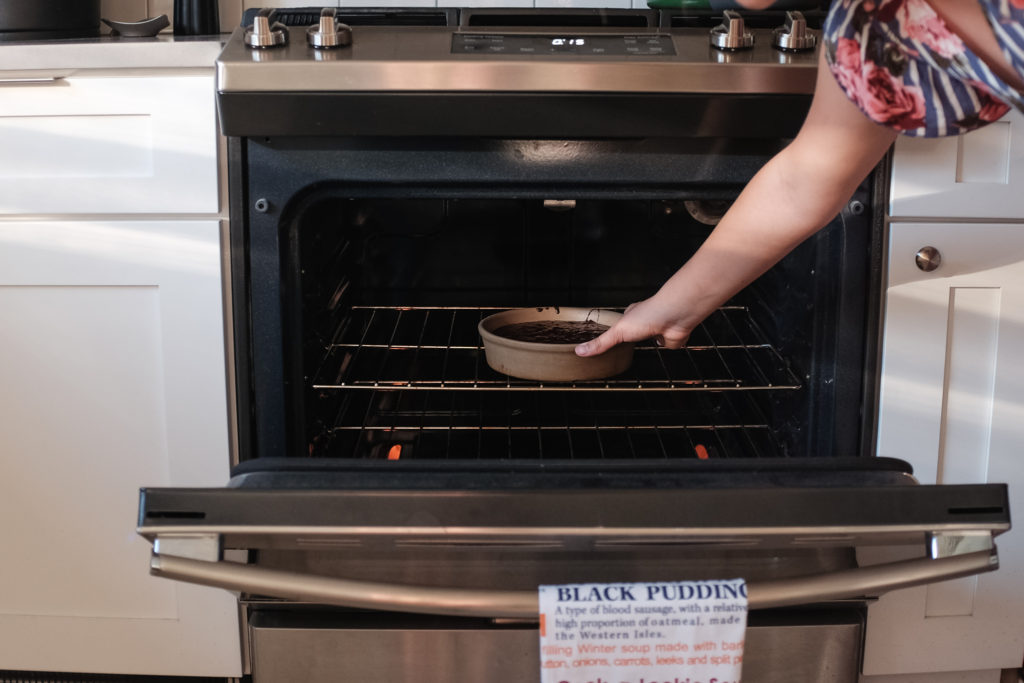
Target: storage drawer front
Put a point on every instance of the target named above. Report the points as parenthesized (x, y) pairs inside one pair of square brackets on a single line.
[(824, 653), (109, 146)]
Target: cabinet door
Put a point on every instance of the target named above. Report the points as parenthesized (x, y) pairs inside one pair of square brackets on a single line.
[(104, 145), (952, 404), (977, 175), (113, 377)]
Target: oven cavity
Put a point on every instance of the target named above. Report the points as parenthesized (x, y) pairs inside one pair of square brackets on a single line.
[(382, 297)]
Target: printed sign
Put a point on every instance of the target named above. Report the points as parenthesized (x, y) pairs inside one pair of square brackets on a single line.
[(672, 632)]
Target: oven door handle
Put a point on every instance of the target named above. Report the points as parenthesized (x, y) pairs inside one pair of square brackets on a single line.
[(851, 583)]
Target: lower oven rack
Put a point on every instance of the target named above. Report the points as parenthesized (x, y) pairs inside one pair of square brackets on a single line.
[(413, 383)]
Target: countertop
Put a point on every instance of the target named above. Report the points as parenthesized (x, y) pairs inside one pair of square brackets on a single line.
[(48, 58)]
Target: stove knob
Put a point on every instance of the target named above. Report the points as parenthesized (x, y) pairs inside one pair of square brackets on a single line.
[(732, 34), (265, 32), (794, 36), (328, 33)]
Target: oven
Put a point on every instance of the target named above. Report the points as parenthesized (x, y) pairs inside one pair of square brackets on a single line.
[(397, 175)]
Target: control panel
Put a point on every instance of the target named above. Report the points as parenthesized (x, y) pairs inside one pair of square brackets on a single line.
[(550, 44)]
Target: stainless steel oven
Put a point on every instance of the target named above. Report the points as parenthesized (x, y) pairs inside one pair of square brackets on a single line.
[(398, 177)]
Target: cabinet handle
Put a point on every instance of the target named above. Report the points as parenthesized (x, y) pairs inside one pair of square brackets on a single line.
[(928, 259), (32, 80)]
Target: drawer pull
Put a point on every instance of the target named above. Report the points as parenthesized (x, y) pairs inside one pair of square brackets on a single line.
[(32, 80), (928, 259)]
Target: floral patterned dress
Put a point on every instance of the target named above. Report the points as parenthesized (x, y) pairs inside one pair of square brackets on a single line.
[(900, 64)]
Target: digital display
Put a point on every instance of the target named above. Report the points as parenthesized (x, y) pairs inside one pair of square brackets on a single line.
[(547, 44)]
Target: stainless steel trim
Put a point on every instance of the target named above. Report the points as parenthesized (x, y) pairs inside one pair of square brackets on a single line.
[(267, 74), (502, 533), (343, 649), (944, 544), (193, 546), (863, 582), (420, 59)]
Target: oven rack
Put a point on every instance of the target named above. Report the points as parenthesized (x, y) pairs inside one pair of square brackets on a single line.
[(612, 443), (439, 424), (431, 348), (568, 424)]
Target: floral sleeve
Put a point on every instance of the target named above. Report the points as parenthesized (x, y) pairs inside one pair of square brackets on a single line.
[(900, 64)]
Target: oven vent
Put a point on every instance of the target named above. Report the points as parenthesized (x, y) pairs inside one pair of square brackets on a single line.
[(564, 19), (175, 514), (362, 16), (707, 19)]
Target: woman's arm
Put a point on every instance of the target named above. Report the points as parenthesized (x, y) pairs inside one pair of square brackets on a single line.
[(796, 193)]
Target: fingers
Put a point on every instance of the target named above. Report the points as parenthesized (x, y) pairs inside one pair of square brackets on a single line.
[(672, 341), (641, 320), (599, 345)]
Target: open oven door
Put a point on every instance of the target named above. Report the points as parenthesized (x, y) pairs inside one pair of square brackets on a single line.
[(424, 563), (561, 516)]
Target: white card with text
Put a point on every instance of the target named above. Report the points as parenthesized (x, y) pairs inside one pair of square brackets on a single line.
[(663, 632)]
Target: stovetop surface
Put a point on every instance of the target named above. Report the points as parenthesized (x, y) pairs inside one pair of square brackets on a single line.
[(506, 50)]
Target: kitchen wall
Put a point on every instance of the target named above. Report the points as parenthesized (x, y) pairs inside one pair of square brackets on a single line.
[(231, 10)]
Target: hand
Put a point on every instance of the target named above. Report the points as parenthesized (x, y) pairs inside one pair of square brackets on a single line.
[(643, 320)]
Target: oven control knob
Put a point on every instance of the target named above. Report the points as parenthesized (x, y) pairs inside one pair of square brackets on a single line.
[(732, 34), (265, 32), (794, 36), (328, 33), (928, 259)]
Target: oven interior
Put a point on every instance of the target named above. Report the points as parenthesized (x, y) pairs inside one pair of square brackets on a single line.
[(383, 285)]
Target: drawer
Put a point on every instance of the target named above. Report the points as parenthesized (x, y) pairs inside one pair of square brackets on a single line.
[(977, 175), (292, 646), (109, 146)]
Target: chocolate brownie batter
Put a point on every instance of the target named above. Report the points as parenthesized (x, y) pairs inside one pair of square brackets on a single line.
[(552, 331)]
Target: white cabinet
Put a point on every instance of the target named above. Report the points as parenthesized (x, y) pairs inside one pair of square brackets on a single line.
[(109, 145), (951, 398), (952, 404), (978, 175), (112, 370)]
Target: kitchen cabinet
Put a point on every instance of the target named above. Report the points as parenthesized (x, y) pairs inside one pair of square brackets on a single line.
[(952, 404), (111, 145), (977, 175), (112, 359)]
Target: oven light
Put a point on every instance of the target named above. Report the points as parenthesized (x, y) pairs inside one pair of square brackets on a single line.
[(395, 452), (702, 451)]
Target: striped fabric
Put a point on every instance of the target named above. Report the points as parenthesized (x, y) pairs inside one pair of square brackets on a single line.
[(900, 64)]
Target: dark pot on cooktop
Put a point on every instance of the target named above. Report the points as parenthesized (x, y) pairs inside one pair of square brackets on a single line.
[(48, 19)]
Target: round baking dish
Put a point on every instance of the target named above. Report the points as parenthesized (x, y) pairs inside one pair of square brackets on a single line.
[(550, 362)]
